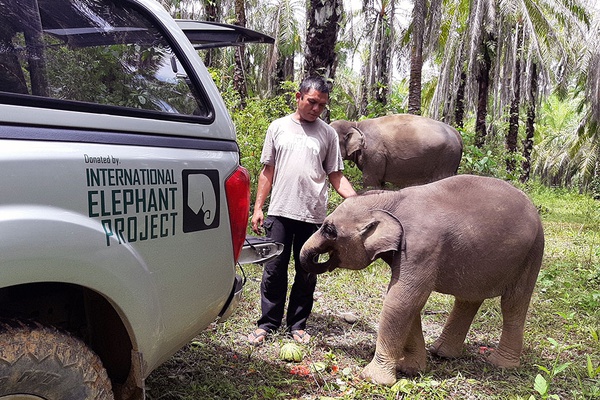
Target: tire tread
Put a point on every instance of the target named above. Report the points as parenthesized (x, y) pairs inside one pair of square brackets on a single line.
[(26, 343)]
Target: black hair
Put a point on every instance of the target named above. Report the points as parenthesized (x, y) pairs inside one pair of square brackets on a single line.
[(314, 82)]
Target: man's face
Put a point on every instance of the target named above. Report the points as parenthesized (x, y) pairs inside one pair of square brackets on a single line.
[(311, 104)]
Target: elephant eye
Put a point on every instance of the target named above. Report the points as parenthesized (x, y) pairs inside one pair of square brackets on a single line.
[(329, 231)]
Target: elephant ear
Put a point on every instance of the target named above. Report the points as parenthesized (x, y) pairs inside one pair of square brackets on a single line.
[(354, 140), (383, 233)]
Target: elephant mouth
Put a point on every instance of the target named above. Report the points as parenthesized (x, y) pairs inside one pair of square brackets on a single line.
[(318, 262), (325, 262)]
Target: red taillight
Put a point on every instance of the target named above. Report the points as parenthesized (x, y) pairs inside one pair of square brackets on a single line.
[(237, 189)]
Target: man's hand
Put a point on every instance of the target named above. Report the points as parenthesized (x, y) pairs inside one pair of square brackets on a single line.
[(257, 221), (265, 182), (341, 184)]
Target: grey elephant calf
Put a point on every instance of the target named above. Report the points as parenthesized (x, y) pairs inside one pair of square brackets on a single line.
[(401, 149), (468, 236)]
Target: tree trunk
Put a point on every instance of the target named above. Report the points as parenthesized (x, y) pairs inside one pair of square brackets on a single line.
[(530, 128), (459, 110), (513, 122), (383, 58), (416, 57), (323, 19), (285, 71), (211, 13), (34, 37), (483, 83), (239, 73), (320, 58), (364, 94)]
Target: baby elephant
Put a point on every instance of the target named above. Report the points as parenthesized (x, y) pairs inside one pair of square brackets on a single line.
[(468, 236), (402, 149)]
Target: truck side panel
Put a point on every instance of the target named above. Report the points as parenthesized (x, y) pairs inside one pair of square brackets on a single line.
[(146, 227)]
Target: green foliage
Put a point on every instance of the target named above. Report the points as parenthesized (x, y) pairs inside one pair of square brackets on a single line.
[(563, 156), (427, 388), (573, 276), (545, 380), (486, 161), (345, 100), (542, 383), (395, 105), (594, 186), (592, 371)]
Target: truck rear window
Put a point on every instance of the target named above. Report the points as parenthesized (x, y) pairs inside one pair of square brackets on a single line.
[(87, 52)]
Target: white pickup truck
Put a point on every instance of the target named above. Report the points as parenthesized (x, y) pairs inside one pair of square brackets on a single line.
[(123, 205)]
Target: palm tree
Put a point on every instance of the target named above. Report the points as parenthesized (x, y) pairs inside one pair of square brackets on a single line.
[(466, 49), (212, 12), (570, 153), (485, 60), (449, 95), (542, 35), (416, 56), (185, 9), (380, 35), (529, 126), (512, 134), (563, 157), (323, 22), (589, 126), (279, 19)]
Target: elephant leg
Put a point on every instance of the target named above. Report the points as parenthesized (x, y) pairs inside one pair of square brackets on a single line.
[(373, 177), (415, 355), (450, 343), (399, 322), (514, 313), (514, 304), (370, 181)]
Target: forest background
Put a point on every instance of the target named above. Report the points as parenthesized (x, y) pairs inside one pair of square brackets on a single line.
[(520, 79)]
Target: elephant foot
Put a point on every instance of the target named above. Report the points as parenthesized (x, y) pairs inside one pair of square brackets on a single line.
[(412, 366), (409, 370), (377, 374), (502, 359), (442, 348)]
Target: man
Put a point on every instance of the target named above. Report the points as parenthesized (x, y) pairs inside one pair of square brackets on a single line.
[(300, 155)]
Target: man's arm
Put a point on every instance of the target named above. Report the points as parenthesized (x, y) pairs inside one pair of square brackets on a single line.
[(341, 184), (265, 182)]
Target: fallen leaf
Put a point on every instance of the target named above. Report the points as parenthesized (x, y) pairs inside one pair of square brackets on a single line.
[(300, 370)]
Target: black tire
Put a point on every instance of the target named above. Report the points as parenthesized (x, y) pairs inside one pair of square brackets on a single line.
[(42, 361)]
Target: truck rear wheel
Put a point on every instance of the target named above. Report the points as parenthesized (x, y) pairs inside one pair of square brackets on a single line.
[(41, 362)]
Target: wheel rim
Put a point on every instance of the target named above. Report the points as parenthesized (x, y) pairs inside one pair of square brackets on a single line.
[(21, 397)]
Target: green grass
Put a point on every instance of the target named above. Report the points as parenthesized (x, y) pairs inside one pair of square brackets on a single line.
[(561, 358)]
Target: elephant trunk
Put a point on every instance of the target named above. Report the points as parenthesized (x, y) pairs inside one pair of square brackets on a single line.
[(309, 255)]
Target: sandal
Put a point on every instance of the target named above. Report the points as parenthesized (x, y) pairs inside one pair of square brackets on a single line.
[(300, 336), (257, 337)]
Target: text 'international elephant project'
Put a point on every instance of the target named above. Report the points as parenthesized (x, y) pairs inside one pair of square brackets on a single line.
[(467, 236)]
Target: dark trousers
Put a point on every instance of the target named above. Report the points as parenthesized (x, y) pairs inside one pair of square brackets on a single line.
[(292, 234)]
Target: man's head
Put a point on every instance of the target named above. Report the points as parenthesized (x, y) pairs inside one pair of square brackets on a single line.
[(312, 98)]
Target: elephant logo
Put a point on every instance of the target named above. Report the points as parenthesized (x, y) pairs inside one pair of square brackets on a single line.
[(202, 202)]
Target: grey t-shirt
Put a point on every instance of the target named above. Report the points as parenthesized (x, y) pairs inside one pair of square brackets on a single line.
[(303, 154)]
